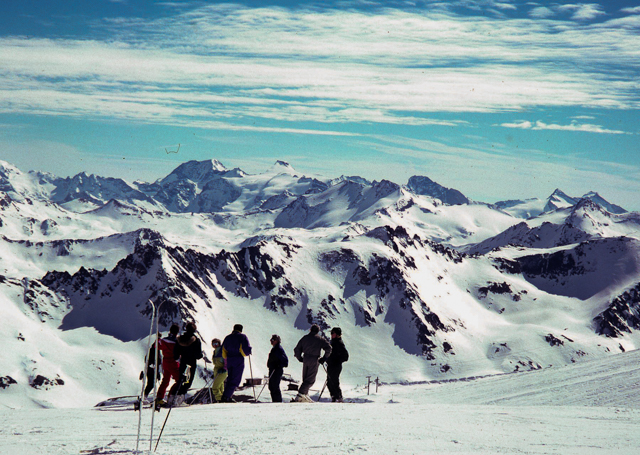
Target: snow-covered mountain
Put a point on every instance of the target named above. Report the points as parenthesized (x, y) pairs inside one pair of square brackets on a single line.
[(584, 221), (420, 184), (533, 207), (441, 287)]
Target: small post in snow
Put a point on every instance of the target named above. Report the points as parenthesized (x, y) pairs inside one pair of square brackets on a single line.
[(368, 383)]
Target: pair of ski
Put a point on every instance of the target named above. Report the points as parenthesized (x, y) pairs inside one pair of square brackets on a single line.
[(154, 323)]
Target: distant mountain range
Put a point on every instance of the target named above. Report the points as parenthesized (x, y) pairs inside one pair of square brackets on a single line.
[(208, 186), (558, 200), (441, 286)]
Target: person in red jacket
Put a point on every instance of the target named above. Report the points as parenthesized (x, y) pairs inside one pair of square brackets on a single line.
[(170, 366)]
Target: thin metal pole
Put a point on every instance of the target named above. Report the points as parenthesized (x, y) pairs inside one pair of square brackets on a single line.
[(155, 382), (265, 384), (325, 384), (252, 384), (180, 382), (144, 376)]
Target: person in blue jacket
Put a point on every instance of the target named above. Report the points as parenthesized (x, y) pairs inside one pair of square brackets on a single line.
[(235, 348), (276, 363)]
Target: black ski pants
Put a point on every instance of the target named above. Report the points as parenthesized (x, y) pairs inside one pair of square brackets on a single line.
[(151, 381), (333, 380), (275, 376), (186, 381)]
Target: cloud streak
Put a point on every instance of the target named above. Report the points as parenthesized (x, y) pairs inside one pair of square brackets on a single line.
[(573, 126), (495, 174), (228, 64)]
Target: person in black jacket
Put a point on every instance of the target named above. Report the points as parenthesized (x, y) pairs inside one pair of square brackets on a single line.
[(188, 349), (308, 352), (338, 356), (276, 363)]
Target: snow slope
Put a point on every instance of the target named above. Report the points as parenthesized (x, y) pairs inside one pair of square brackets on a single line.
[(591, 408)]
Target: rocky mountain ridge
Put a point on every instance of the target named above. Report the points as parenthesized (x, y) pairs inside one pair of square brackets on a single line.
[(443, 289)]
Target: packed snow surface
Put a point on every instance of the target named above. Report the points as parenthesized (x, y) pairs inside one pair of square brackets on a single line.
[(588, 408)]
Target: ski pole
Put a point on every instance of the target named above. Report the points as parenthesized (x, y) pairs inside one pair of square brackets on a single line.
[(155, 380), (198, 396), (325, 384), (252, 384), (265, 384), (171, 406), (144, 377)]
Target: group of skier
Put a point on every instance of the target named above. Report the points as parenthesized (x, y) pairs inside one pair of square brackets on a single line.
[(178, 355)]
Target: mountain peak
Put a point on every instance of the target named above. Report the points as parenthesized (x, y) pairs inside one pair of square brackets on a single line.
[(282, 164), (196, 171), (559, 200), (6, 166), (218, 166), (559, 193), (602, 202), (282, 167), (420, 184)]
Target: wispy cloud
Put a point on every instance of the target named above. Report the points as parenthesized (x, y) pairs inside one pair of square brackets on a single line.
[(494, 174), (541, 12), (573, 126), (583, 11), (631, 10), (234, 65)]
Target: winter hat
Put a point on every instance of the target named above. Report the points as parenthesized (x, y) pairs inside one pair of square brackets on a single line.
[(315, 328), (175, 328), (238, 327), (215, 340), (337, 331), (275, 338)]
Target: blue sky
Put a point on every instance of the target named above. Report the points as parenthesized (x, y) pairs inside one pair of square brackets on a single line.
[(499, 99)]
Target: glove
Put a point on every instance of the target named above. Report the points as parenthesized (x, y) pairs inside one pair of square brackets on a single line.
[(222, 370), (141, 375), (299, 359), (322, 361)]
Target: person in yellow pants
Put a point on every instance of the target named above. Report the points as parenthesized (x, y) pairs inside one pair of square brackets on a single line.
[(219, 370)]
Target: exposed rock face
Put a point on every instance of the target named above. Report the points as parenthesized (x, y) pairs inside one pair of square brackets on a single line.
[(425, 186), (560, 263), (621, 316), (95, 189), (41, 382), (265, 268), (6, 381)]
